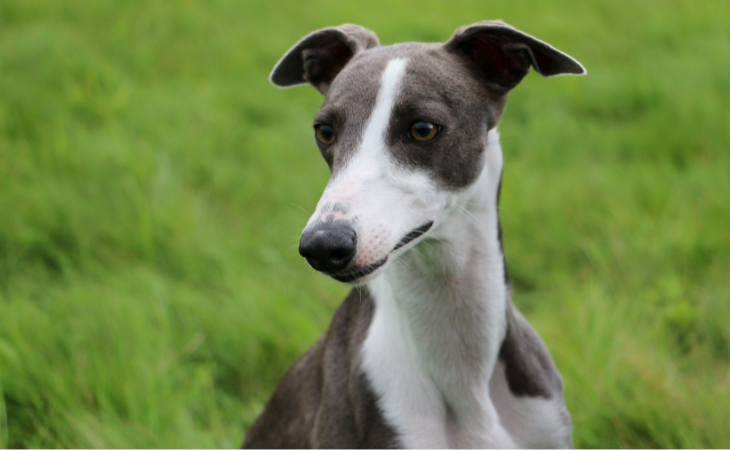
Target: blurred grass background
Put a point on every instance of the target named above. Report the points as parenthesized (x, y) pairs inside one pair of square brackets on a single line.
[(152, 188)]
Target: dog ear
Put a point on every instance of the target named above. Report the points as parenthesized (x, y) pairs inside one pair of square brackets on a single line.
[(503, 55), (321, 55)]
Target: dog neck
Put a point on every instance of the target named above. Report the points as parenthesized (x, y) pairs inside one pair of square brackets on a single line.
[(439, 323)]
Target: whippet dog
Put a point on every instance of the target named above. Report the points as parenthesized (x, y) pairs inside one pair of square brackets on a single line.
[(427, 350)]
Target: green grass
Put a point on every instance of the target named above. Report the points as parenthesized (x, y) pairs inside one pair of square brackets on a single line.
[(152, 185)]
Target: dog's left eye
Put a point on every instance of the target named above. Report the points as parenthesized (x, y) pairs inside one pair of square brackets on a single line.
[(423, 131), (324, 134)]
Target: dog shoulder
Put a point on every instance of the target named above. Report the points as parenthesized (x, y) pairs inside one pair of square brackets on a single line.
[(529, 368), (288, 417), (529, 388)]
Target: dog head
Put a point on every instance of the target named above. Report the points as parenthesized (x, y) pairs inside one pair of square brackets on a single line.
[(404, 130)]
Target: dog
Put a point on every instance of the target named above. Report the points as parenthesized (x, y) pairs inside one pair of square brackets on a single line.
[(427, 350)]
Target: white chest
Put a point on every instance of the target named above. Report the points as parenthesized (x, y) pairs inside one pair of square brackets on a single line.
[(430, 361)]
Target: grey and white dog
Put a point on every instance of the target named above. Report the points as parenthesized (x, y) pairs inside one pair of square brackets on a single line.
[(428, 349)]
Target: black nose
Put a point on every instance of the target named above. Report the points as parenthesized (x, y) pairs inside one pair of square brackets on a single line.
[(329, 247)]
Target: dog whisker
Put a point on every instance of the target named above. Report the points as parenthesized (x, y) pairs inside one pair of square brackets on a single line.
[(297, 206)]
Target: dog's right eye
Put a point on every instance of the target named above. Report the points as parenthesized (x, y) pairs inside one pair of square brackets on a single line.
[(423, 131), (325, 134)]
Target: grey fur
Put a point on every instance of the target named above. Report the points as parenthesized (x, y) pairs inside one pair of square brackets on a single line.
[(340, 207), (529, 368)]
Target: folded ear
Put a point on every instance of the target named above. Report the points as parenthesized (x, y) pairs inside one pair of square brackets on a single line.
[(503, 55), (321, 55)]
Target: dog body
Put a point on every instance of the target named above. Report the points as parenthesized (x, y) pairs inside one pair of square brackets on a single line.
[(427, 350)]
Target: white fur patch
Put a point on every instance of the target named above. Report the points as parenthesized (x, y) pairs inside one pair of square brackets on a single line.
[(373, 139)]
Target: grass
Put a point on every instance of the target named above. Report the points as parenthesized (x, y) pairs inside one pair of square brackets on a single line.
[(152, 188)]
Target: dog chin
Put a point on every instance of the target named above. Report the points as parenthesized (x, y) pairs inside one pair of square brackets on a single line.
[(357, 276)]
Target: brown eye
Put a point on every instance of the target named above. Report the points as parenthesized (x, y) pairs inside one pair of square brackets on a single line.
[(325, 134), (423, 131)]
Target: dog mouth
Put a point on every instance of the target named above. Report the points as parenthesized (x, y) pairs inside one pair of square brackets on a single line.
[(354, 274), (413, 234)]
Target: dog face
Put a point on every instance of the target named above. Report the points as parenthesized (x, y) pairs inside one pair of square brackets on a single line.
[(404, 130)]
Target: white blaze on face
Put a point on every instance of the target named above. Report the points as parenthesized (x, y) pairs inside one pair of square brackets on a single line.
[(383, 201)]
